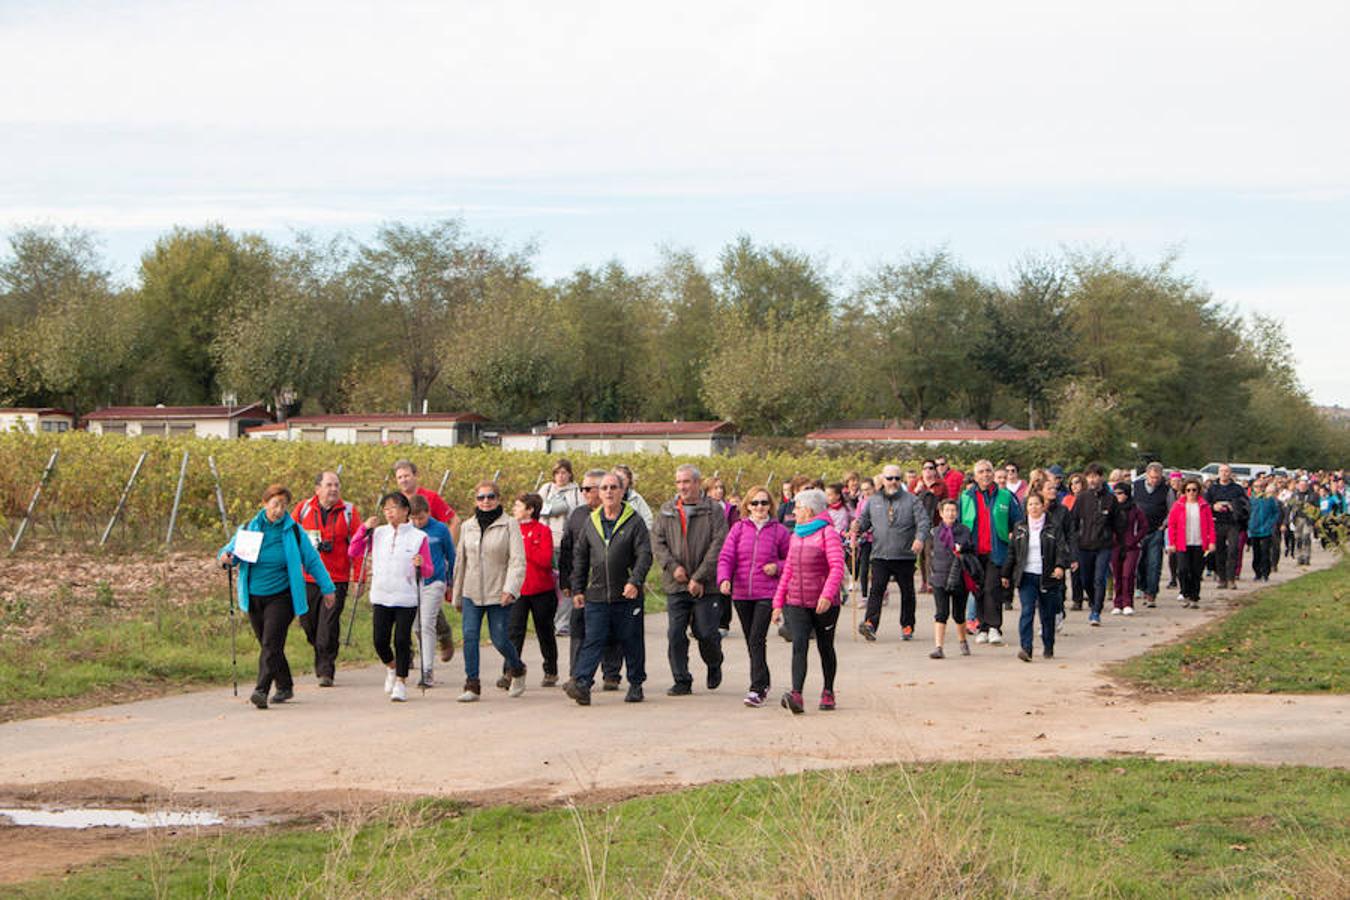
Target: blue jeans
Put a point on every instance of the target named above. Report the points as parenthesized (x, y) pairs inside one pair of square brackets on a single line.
[(1150, 562), (605, 622), (1035, 598), (498, 617), (1095, 566)]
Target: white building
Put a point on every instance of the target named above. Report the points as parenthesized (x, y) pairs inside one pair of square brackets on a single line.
[(36, 420), (834, 437), (675, 438), (431, 429), (177, 421)]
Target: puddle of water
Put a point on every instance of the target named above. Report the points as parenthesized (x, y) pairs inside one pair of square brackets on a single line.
[(107, 818)]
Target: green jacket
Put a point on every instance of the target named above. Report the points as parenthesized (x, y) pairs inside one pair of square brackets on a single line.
[(1004, 514)]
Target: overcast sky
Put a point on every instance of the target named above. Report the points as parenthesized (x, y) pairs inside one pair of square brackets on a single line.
[(856, 131)]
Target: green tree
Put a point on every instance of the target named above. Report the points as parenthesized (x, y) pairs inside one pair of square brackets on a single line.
[(771, 284), (606, 319), (681, 338)]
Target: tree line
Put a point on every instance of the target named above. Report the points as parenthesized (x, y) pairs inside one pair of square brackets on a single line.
[(1115, 354)]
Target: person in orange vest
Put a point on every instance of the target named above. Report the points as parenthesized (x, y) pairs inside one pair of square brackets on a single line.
[(327, 520)]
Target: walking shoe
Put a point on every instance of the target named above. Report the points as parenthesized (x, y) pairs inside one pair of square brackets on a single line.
[(680, 689), (1024, 654), (826, 700), (714, 677), (504, 683), (610, 684), (578, 693), (1115, 610), (907, 633), (982, 638), (1059, 621), (282, 695), (562, 632), (723, 632), (995, 636), (447, 648), (472, 689), (1094, 619), (1048, 653), (972, 626), (399, 693), (1172, 584), (1078, 606), (426, 681), (1151, 601), (325, 681), (389, 678), (634, 694), (517, 685), (867, 631), (937, 654), (1007, 604), (1184, 601), (965, 649), (549, 681), (793, 700), (1127, 611), (784, 633), (259, 699), (754, 700)]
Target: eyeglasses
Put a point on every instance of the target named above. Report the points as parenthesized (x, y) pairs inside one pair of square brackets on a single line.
[(758, 503), (926, 468), (1192, 490), (609, 487), (941, 463), (482, 497)]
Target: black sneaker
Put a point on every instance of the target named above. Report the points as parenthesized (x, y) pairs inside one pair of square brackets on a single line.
[(714, 677), (610, 685), (282, 695), (259, 699), (937, 654), (504, 683), (867, 631), (1048, 653), (577, 692), (325, 681), (680, 689), (792, 700), (634, 694), (1024, 655)]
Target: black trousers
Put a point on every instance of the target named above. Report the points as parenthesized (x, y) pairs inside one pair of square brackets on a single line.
[(883, 571), (725, 622), (398, 622), (1226, 557), (703, 615), (1191, 571), (541, 608), (611, 660), (991, 595), (864, 565), (803, 622), (755, 616), (1262, 550), (323, 627), (271, 615)]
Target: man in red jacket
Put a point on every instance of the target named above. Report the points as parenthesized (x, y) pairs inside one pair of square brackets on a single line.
[(329, 522), (952, 477)]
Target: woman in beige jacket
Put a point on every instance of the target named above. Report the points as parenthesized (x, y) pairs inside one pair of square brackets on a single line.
[(489, 571)]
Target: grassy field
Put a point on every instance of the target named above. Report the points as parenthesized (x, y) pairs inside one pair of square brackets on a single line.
[(1290, 638), (1134, 828)]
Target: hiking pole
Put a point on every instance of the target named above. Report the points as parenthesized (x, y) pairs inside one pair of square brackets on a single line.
[(234, 625), (421, 638), (854, 589), (356, 595)]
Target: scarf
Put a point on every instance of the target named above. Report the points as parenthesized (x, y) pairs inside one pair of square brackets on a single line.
[(944, 536), (810, 528), (486, 518)]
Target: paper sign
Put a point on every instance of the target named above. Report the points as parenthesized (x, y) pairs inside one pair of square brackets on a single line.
[(247, 545)]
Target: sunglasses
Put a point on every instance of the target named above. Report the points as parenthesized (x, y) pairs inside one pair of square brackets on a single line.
[(890, 477), (926, 468), (481, 497), (759, 503), (587, 489), (609, 487), (1192, 490)]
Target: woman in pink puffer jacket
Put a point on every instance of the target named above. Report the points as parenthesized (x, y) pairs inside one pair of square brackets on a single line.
[(808, 595), (748, 570)]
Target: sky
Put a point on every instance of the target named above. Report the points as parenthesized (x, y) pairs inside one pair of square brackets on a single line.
[(858, 132)]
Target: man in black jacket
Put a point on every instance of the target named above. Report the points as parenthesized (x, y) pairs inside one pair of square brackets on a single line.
[(1228, 501), (1094, 517), (609, 566), (1155, 497), (612, 661)]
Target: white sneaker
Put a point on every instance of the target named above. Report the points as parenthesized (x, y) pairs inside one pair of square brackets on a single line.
[(994, 636), (1129, 611), (390, 679), (399, 693), (467, 697), (982, 638), (517, 686), (1059, 621), (1115, 611)]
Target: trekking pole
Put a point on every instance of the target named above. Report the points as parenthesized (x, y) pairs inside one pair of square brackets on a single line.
[(234, 626), (855, 592), (356, 595), (421, 638)]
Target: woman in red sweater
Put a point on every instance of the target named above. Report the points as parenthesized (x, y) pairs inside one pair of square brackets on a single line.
[(538, 599)]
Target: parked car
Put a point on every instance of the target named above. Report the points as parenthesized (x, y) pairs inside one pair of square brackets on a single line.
[(1241, 471)]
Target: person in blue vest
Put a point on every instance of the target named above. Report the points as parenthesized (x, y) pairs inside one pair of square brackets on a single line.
[(272, 588), (990, 512)]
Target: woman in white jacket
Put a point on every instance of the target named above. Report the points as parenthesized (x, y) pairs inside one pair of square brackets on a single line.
[(399, 559), (560, 496), (489, 572)]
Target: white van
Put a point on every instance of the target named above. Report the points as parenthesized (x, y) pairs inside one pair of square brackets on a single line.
[(1241, 471)]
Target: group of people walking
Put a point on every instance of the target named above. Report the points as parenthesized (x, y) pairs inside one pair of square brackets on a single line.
[(574, 557)]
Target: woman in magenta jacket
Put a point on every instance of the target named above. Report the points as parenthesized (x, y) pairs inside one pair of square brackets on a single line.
[(748, 570), (1190, 533), (808, 594)]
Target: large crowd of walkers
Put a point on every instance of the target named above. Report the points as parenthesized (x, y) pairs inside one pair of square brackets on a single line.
[(573, 559)]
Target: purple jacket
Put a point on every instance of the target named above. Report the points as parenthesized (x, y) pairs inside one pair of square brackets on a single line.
[(814, 569), (745, 553)]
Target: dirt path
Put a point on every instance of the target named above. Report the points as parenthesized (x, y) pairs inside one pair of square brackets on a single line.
[(334, 746)]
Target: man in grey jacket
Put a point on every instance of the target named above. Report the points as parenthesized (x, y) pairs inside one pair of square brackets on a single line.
[(686, 540), (899, 528)]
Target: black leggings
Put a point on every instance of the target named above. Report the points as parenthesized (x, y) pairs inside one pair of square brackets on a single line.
[(755, 616), (397, 620), (803, 622), (542, 608), (1190, 571)]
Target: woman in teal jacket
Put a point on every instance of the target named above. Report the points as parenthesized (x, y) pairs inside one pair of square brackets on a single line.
[(272, 589)]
